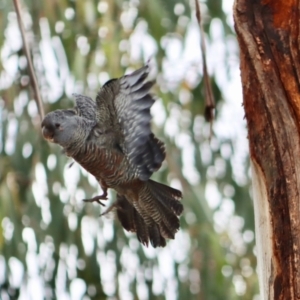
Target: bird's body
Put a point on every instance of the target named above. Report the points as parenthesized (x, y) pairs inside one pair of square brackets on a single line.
[(112, 139)]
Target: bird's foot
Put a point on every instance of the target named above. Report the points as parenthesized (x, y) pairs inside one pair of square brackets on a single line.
[(109, 209), (97, 199)]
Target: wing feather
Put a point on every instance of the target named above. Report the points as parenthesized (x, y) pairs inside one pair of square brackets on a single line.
[(125, 104), (85, 106), (133, 105)]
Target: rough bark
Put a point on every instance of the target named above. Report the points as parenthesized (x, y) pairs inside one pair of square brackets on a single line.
[(268, 35)]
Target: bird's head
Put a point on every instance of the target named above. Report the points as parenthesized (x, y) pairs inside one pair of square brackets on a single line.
[(65, 127)]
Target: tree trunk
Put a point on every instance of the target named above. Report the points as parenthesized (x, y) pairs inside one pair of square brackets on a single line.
[(268, 36)]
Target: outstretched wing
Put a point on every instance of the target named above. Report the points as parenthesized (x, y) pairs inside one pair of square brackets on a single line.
[(125, 103)]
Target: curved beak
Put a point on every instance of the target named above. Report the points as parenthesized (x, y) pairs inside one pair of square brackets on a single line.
[(48, 129)]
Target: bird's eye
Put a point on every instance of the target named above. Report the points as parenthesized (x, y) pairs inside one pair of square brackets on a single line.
[(57, 125)]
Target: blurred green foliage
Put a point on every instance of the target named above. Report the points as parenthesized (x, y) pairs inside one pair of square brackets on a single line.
[(53, 246)]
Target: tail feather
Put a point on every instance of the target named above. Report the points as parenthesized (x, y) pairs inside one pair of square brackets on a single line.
[(154, 217), (162, 205), (132, 221), (142, 231), (168, 196), (125, 213), (155, 236), (165, 218)]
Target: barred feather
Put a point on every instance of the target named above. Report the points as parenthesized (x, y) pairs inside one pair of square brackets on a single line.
[(132, 221)]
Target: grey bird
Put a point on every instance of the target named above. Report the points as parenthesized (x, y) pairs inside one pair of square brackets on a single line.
[(112, 139)]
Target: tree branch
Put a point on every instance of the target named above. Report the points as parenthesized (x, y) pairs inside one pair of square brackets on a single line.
[(209, 97), (32, 76)]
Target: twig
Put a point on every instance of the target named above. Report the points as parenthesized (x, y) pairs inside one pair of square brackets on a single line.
[(209, 97), (32, 76)]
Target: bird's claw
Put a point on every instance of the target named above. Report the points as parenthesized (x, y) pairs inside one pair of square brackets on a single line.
[(97, 199), (108, 210)]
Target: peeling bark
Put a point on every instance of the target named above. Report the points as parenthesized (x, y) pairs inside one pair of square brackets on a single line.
[(269, 40)]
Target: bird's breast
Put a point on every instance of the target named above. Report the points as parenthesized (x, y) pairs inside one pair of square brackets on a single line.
[(107, 165)]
